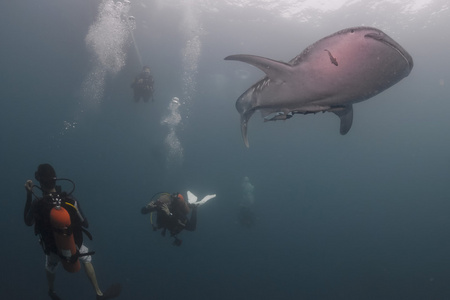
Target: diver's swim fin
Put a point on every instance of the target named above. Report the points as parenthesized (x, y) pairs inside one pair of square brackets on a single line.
[(205, 199), (192, 199), (53, 295), (112, 292)]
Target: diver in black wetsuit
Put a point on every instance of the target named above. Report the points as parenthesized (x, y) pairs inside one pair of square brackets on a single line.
[(246, 216), (37, 212), (143, 86), (171, 214)]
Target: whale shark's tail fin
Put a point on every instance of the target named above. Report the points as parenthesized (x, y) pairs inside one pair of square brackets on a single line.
[(192, 199)]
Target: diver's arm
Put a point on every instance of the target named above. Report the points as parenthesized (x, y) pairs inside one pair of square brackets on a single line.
[(83, 219), (149, 208), (28, 213)]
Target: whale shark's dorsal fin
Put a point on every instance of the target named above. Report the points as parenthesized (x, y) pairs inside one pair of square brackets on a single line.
[(275, 70)]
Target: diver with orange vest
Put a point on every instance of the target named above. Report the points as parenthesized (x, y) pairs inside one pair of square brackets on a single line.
[(172, 213), (60, 224)]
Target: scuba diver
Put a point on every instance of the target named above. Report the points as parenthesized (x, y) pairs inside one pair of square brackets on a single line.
[(172, 213), (143, 85), (246, 216), (60, 224)]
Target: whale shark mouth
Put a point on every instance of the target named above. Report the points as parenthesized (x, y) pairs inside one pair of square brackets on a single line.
[(387, 41)]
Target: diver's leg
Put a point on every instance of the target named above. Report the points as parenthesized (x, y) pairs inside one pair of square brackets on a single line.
[(89, 269), (50, 280), (51, 262), (90, 272), (192, 223), (147, 95), (112, 292)]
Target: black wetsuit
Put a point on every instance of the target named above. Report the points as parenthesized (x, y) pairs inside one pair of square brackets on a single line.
[(143, 87), (169, 217)]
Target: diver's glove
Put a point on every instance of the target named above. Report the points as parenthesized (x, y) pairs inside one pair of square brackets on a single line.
[(29, 186), (165, 209)]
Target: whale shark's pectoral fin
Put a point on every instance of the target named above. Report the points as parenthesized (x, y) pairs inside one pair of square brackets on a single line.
[(244, 123), (346, 116), (275, 70)]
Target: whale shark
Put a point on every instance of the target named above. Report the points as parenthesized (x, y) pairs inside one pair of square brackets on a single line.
[(349, 66)]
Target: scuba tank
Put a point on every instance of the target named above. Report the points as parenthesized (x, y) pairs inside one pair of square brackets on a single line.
[(62, 231), (62, 227)]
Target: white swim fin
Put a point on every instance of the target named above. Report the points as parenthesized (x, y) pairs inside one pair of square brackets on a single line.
[(192, 199), (205, 199)]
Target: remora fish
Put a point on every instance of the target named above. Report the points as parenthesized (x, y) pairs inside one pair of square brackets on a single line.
[(369, 63)]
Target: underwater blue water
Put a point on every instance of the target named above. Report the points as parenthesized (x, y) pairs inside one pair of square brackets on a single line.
[(360, 216)]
